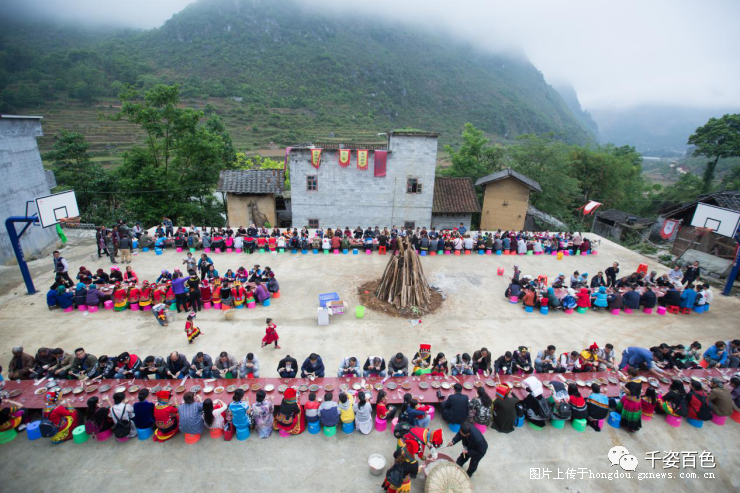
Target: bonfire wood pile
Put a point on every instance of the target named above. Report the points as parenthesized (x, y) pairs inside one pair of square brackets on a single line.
[(403, 283)]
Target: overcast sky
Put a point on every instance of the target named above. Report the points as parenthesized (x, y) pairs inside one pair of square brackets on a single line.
[(616, 53)]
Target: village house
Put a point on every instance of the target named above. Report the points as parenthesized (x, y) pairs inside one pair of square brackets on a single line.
[(252, 196), (506, 199)]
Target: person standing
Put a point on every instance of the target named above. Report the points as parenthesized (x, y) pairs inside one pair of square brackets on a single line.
[(474, 447), (178, 287), (271, 335), (196, 300), (110, 248), (611, 274), (124, 245), (692, 273), (61, 266), (167, 222)]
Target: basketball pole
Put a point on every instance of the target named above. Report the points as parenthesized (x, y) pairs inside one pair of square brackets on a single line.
[(15, 241), (735, 266)]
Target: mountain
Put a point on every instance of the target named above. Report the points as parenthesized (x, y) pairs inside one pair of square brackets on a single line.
[(569, 95), (660, 131), (295, 74)]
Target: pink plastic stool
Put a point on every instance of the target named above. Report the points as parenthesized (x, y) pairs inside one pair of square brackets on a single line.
[(674, 421), (628, 310), (568, 311), (218, 250), (488, 252), (718, 420), (380, 424), (103, 435), (69, 309), (207, 250), (661, 310), (430, 413), (92, 308), (394, 422), (108, 305), (82, 308), (147, 308), (500, 271), (283, 433), (513, 299), (238, 250), (207, 305), (647, 311), (615, 311), (646, 417), (601, 424), (179, 249), (229, 250), (447, 252), (217, 306), (481, 428), (251, 305), (134, 307), (368, 251)]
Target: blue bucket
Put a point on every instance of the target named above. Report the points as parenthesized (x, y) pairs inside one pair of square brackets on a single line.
[(32, 430), (294, 251), (158, 251), (498, 252), (314, 427), (304, 252), (615, 420), (348, 427), (345, 251), (136, 244), (423, 253), (315, 251), (144, 433), (481, 252)]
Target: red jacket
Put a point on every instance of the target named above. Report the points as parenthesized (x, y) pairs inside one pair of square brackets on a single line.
[(583, 298)]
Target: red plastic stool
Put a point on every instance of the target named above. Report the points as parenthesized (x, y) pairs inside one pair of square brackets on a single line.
[(381, 250), (686, 311), (673, 309)]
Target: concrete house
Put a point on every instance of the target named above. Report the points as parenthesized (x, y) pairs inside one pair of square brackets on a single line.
[(24, 179), (455, 202), (252, 195), (333, 196), (506, 199)]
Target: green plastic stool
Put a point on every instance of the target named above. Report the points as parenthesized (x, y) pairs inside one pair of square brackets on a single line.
[(579, 425), (262, 250), (8, 436), (173, 307), (229, 375), (581, 309), (330, 431), (534, 426), (79, 435), (558, 424)]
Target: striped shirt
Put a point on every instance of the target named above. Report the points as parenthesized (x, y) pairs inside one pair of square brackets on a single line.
[(191, 418)]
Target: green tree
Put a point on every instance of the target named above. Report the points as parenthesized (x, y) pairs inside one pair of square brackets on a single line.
[(259, 162), (475, 159), (718, 138)]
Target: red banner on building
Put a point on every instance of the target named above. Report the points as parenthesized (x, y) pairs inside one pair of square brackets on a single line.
[(362, 159), (380, 160), (669, 227), (315, 157), (345, 155)]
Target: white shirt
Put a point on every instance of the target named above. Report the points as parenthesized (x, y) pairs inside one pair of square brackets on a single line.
[(708, 296)]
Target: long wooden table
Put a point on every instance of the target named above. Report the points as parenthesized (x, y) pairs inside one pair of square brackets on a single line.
[(29, 399)]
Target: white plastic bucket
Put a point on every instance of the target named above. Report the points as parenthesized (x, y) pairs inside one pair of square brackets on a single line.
[(376, 462)]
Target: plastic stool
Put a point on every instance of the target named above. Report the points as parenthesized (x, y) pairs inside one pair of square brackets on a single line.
[(558, 424), (447, 252), (304, 251), (601, 424), (380, 424), (158, 251), (686, 310), (544, 310), (628, 310), (179, 249), (513, 299), (534, 426), (345, 251), (430, 413), (615, 420), (615, 311), (108, 305), (500, 271), (217, 306), (568, 311), (336, 251), (348, 427), (453, 427), (674, 421), (251, 305), (467, 252), (94, 308), (147, 308), (218, 250), (9, 435), (704, 364), (266, 302), (355, 251), (79, 435), (699, 309), (103, 435), (433, 253), (394, 422), (134, 307), (144, 433), (82, 308), (330, 431), (506, 252), (696, 423), (489, 252), (661, 310), (32, 430), (236, 250), (646, 417), (207, 250), (145, 249), (735, 417), (239, 307), (191, 439), (529, 309), (216, 432), (647, 311), (243, 434), (276, 295), (481, 428), (423, 253), (314, 427), (673, 309), (457, 252), (69, 309), (481, 252), (579, 425), (519, 422), (327, 251), (207, 305)]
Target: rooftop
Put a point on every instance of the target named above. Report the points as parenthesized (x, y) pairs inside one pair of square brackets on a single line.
[(729, 199), (252, 181), (510, 173), (454, 196), (622, 217)]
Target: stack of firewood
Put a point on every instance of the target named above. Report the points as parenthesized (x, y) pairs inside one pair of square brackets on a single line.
[(403, 283)]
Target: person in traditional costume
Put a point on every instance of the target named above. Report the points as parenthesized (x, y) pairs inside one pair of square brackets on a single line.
[(169, 296), (504, 409), (422, 442), (271, 335), (159, 294), (145, 298), (166, 417), (630, 406), (239, 293), (11, 417), (63, 417), (597, 405), (134, 293), (190, 329), (589, 358), (205, 292), (535, 405), (649, 402), (290, 416), (670, 402), (120, 298), (216, 291), (422, 360), (398, 477)]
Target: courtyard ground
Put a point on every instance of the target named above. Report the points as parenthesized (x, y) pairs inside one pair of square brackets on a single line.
[(475, 314)]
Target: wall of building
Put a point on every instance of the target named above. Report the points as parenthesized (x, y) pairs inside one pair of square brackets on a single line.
[(23, 178), (239, 213), (450, 221), (495, 215), (351, 197)]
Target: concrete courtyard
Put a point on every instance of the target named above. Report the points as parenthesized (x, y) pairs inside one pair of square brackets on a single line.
[(475, 314)]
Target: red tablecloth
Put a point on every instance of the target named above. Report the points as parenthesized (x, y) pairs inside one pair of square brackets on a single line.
[(30, 400)]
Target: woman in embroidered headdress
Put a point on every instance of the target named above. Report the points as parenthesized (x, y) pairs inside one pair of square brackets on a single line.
[(166, 417), (290, 416), (423, 360), (398, 477), (134, 293), (630, 405), (190, 329), (120, 298), (64, 418), (145, 298)]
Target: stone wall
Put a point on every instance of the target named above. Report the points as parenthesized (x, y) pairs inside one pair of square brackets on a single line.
[(496, 215), (239, 213), (351, 197), (450, 221), (23, 178)]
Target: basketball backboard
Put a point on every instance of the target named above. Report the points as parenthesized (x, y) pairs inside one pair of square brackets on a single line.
[(722, 221), (53, 208)]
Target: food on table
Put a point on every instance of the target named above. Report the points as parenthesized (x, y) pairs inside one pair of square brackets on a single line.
[(406, 385), (490, 383), (423, 385), (269, 387), (392, 386), (134, 388), (195, 389), (256, 387), (313, 387), (468, 385), (89, 390), (180, 389), (230, 389), (328, 387), (282, 388), (219, 390)]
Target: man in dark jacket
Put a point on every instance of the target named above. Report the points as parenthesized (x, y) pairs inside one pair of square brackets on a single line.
[(94, 297), (42, 362), (455, 407), (692, 274), (154, 365), (83, 363), (648, 298), (374, 366), (288, 367), (177, 365), (201, 366), (474, 447), (21, 365), (313, 366), (598, 280), (631, 298), (482, 360), (398, 366), (611, 274)]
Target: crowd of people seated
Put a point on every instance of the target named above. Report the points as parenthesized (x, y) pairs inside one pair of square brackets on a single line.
[(608, 291)]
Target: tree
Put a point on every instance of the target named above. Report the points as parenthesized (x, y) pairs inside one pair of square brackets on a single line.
[(474, 159), (259, 162), (718, 138)]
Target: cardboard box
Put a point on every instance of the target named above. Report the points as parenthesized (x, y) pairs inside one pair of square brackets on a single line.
[(337, 307)]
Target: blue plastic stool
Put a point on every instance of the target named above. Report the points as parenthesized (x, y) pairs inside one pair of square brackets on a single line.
[(355, 251), (32, 430), (454, 428), (315, 251), (699, 309), (529, 309), (706, 308), (481, 252), (145, 433), (345, 251), (294, 251), (314, 427), (544, 310), (519, 422), (145, 249), (136, 244), (242, 435), (615, 420), (239, 306), (696, 423), (266, 302), (423, 253), (304, 252), (348, 427), (498, 252), (158, 251)]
